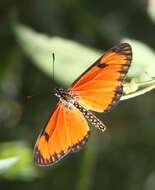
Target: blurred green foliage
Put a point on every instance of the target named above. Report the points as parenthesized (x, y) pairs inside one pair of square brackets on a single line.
[(77, 32), (19, 166)]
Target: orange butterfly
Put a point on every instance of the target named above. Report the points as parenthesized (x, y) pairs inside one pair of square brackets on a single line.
[(98, 89)]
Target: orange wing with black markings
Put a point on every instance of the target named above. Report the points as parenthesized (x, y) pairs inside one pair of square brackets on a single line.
[(100, 87), (66, 131)]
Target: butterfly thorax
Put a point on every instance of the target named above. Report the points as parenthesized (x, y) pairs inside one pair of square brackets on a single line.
[(66, 97)]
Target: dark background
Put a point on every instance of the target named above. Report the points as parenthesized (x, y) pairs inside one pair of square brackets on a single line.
[(123, 157)]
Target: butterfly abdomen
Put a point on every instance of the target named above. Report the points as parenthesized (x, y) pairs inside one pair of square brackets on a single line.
[(90, 117)]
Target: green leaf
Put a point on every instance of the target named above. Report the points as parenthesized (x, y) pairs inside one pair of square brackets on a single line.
[(134, 89), (151, 9), (72, 58), (7, 163), (16, 160)]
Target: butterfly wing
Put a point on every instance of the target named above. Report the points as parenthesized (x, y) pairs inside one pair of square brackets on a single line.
[(66, 131), (100, 87)]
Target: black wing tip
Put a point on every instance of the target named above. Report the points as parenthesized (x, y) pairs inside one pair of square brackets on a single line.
[(121, 46), (41, 161), (124, 49)]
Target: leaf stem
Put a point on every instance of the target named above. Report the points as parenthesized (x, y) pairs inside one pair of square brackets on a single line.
[(140, 91)]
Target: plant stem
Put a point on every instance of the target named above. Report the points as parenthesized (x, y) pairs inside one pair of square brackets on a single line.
[(139, 92)]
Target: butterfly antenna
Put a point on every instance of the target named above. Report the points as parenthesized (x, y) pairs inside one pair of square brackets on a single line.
[(34, 95), (53, 56)]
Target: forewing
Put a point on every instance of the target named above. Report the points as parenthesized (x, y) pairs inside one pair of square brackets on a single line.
[(100, 87), (66, 131)]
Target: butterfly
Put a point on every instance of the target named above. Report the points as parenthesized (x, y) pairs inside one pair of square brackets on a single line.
[(98, 89)]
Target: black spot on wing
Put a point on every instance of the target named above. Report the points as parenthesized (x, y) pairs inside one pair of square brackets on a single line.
[(101, 65), (123, 48), (46, 135)]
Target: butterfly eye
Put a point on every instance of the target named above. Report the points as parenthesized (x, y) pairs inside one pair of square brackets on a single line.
[(56, 93), (59, 92)]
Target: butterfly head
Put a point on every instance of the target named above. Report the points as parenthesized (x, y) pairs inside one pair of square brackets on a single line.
[(67, 98), (59, 92)]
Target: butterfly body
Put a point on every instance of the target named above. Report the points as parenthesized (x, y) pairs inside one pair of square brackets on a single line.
[(66, 97), (98, 89), (70, 100)]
